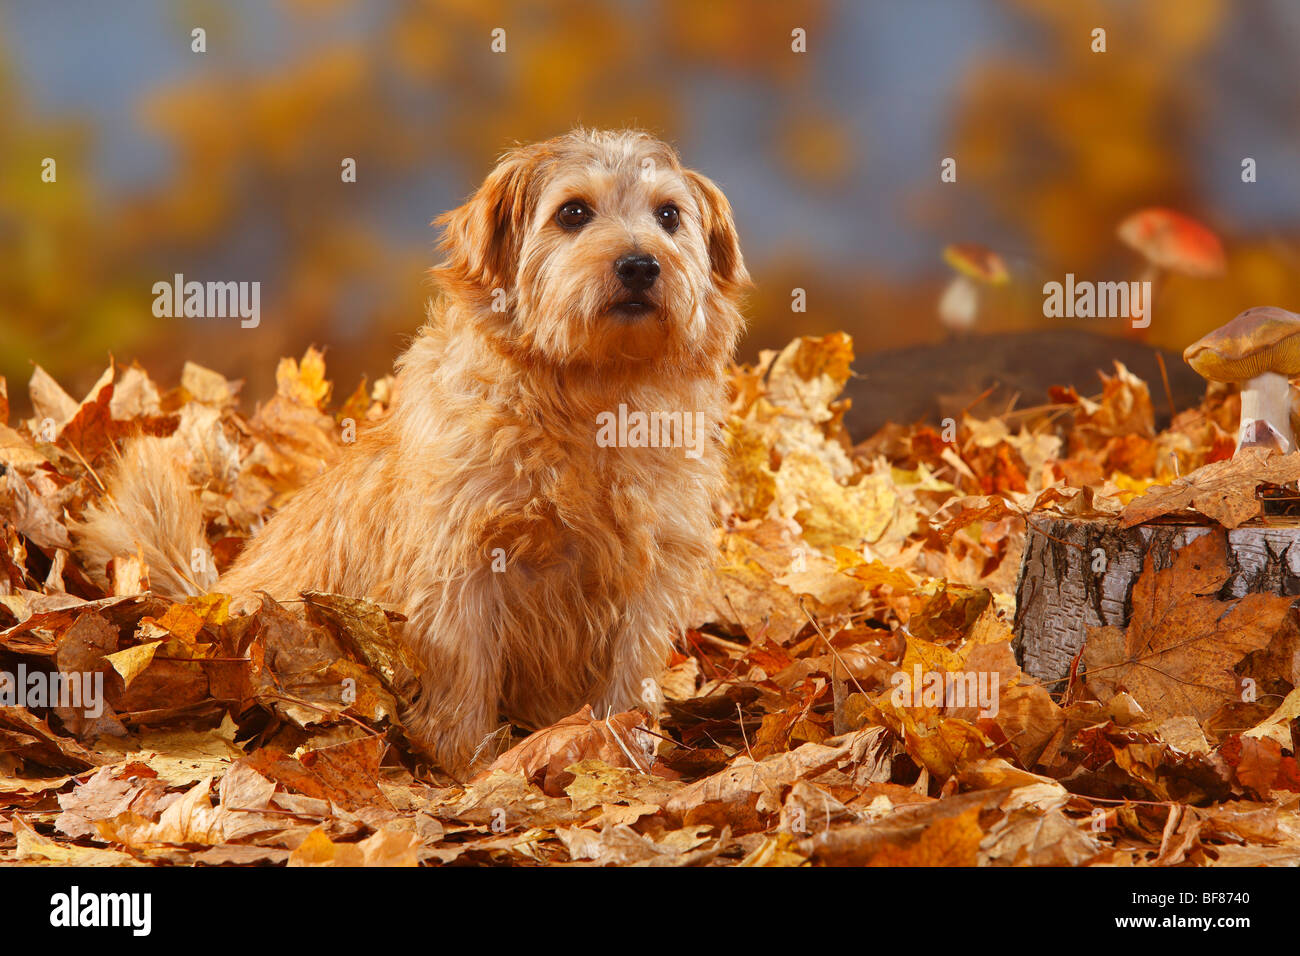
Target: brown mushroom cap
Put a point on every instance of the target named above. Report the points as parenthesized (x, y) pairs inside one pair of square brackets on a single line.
[(1262, 339), (1173, 241)]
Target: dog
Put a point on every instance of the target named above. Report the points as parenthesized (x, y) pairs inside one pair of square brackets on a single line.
[(542, 558)]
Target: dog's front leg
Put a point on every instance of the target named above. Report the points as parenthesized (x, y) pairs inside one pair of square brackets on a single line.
[(460, 688), (639, 651)]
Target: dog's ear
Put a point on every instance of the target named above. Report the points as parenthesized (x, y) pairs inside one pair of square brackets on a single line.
[(481, 239), (720, 232)]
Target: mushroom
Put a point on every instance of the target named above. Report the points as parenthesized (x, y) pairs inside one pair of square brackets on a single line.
[(974, 265), (1260, 349), (1171, 242)]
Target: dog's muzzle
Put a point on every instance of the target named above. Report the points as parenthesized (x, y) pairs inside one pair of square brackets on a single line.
[(637, 271)]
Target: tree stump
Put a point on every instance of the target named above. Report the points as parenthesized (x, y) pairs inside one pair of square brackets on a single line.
[(1078, 573)]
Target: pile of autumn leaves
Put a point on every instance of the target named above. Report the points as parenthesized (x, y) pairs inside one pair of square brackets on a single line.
[(778, 740)]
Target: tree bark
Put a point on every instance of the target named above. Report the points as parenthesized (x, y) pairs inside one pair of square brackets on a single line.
[(1078, 573)]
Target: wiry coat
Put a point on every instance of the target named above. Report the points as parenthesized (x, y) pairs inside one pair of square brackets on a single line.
[(538, 570)]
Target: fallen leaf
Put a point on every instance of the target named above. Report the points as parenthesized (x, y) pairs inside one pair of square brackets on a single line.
[(545, 756), (382, 848), (1223, 491), (1177, 653)]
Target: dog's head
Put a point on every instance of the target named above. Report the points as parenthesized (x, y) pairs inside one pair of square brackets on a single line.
[(598, 248)]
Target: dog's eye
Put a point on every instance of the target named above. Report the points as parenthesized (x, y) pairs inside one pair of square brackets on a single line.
[(668, 217), (574, 214)]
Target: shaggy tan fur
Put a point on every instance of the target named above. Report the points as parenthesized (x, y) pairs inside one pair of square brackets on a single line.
[(491, 444)]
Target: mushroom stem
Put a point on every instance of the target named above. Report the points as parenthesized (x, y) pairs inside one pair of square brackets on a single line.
[(959, 305), (1267, 398)]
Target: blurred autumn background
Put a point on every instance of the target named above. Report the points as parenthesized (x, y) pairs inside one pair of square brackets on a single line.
[(226, 164)]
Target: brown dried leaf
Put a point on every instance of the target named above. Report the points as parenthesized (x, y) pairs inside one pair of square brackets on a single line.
[(1177, 654), (364, 627), (545, 756), (382, 848), (1223, 491), (942, 833)]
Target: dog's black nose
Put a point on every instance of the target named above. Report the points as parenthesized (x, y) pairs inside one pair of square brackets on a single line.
[(637, 271)]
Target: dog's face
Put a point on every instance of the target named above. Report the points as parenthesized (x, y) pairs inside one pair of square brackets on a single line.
[(598, 248)]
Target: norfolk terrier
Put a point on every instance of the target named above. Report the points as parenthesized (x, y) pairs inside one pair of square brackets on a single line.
[(538, 502)]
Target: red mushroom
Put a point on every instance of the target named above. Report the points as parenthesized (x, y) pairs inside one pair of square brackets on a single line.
[(1171, 242)]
